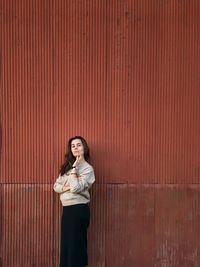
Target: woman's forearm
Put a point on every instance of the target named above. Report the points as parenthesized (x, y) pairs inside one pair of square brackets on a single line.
[(66, 188)]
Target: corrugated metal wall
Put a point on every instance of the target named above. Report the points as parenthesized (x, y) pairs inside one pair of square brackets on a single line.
[(125, 75)]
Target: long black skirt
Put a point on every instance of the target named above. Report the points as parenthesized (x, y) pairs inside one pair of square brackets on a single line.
[(74, 224)]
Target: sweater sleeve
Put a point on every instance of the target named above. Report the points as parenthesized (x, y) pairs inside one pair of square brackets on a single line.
[(58, 185), (83, 182)]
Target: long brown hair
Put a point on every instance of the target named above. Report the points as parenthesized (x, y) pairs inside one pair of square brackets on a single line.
[(69, 157)]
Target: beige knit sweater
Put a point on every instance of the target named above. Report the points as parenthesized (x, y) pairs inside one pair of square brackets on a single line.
[(79, 186)]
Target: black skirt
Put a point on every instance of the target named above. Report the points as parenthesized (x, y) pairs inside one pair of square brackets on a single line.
[(74, 224)]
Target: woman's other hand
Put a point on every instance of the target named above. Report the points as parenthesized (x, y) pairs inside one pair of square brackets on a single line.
[(66, 188)]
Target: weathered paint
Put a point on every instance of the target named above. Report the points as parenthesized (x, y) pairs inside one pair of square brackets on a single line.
[(27, 225), (1, 221), (122, 74), (177, 225), (130, 229), (97, 230), (125, 75), (27, 91)]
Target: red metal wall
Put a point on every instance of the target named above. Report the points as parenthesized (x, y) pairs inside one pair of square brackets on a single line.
[(125, 75)]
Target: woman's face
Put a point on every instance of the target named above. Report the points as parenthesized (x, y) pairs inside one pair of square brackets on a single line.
[(77, 148)]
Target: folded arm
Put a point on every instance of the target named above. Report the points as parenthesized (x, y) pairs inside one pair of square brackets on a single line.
[(60, 185), (82, 182)]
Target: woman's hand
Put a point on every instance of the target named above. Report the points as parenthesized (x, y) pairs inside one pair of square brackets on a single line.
[(66, 188), (78, 160)]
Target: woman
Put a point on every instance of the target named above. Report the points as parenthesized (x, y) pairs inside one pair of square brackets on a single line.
[(75, 179)]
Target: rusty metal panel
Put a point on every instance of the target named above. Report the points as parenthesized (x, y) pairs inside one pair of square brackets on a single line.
[(127, 222), (27, 225), (97, 230), (1, 222), (57, 213), (177, 225), (124, 74), (130, 227), (27, 91), (80, 77), (153, 91)]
